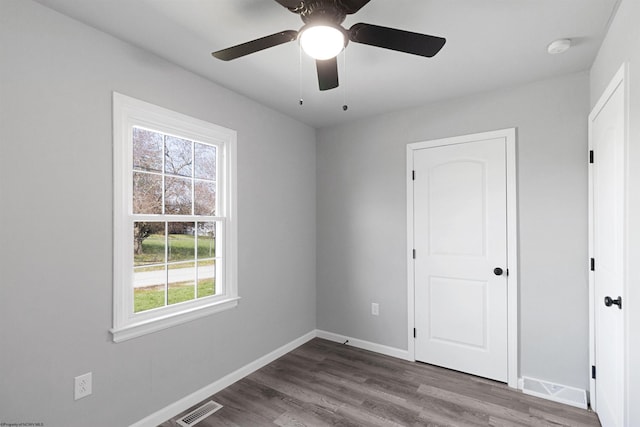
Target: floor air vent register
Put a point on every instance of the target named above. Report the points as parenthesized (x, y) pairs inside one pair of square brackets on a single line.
[(199, 414)]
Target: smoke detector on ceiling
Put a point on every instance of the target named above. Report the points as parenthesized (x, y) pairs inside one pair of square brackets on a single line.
[(559, 46)]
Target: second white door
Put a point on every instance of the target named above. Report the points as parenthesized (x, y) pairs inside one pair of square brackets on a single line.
[(460, 239), (607, 133)]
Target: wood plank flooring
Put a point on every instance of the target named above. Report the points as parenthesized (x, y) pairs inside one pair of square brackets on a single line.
[(323, 383)]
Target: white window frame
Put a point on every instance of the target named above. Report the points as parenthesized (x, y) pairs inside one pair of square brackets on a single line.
[(127, 113)]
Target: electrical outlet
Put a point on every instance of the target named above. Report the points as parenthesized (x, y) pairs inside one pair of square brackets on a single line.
[(82, 386), (375, 309)]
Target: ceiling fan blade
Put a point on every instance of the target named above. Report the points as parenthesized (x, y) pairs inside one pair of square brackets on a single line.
[(400, 40), (256, 45), (327, 73), (352, 6)]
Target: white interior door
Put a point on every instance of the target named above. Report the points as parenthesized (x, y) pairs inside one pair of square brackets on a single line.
[(607, 127), (460, 238)]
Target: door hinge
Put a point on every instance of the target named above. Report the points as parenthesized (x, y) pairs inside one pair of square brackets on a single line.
[(414, 332), (413, 175), (593, 264), (590, 156), (593, 372), (414, 254)]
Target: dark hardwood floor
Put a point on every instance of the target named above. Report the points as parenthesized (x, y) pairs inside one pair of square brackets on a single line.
[(323, 383)]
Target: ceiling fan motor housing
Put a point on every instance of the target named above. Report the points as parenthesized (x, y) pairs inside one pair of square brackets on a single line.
[(322, 11)]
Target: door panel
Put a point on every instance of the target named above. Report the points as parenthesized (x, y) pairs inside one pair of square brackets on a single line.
[(467, 324), (456, 201), (460, 237)]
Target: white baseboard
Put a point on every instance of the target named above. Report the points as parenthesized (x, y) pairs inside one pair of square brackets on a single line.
[(186, 402), (365, 345), (552, 391)]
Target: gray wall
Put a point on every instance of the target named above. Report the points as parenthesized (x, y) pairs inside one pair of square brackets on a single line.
[(56, 81), (622, 44), (56, 240), (361, 229)]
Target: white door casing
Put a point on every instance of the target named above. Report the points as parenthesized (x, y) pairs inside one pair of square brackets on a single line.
[(462, 225), (607, 187)]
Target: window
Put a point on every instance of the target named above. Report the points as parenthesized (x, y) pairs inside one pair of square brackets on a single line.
[(174, 218)]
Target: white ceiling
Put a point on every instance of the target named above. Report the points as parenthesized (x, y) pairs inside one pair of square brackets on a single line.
[(490, 44)]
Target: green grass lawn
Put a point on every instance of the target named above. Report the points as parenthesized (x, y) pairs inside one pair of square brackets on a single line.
[(153, 297), (181, 248)]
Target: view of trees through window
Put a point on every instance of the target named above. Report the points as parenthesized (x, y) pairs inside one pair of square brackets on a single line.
[(174, 243)]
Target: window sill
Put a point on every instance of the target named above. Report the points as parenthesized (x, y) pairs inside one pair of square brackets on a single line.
[(134, 330)]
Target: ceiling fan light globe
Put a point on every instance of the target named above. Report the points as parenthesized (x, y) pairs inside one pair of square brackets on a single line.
[(322, 41)]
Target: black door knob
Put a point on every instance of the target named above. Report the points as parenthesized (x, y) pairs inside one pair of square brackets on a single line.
[(608, 301), (498, 271)]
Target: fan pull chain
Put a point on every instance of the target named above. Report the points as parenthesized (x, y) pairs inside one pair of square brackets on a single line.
[(301, 101), (345, 107)]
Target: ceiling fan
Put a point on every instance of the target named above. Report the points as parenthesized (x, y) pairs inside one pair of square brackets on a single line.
[(323, 38)]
